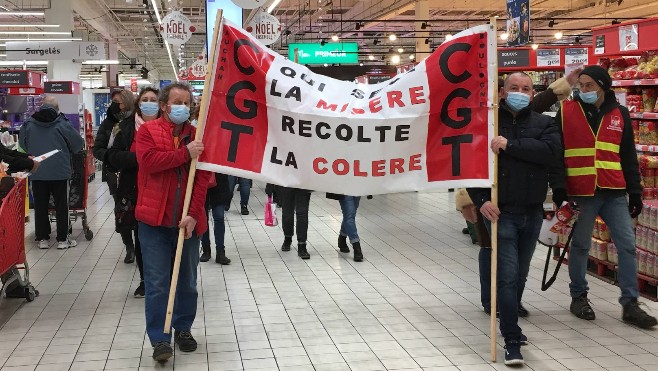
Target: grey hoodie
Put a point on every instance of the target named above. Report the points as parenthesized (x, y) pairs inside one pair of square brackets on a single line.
[(45, 131)]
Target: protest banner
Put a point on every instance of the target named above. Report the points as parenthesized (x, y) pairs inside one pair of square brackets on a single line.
[(272, 120)]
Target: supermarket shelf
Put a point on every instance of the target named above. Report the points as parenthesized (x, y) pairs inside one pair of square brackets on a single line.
[(643, 82), (648, 287), (646, 148), (644, 115)]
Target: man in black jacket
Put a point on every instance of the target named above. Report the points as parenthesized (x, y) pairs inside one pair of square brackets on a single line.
[(599, 171), (528, 145)]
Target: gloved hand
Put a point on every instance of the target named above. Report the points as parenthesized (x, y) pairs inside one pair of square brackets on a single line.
[(560, 197), (635, 204)]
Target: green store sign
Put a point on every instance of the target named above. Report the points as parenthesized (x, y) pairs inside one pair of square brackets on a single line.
[(343, 53)]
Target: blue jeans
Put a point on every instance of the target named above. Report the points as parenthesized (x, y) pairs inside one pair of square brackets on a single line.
[(517, 239), (158, 246), (348, 205), (245, 188), (613, 209), (219, 229)]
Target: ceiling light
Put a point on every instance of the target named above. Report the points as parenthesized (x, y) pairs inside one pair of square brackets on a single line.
[(577, 40), (326, 65), (46, 39), (412, 57), (3, 55), (361, 64), (535, 46), (616, 21), (558, 35), (371, 57), (323, 42), (375, 42), (504, 36), (400, 50), (157, 15), (20, 63), (271, 7), (30, 25), (34, 33), (334, 37), (358, 25), (395, 59), (427, 41), (552, 23), (102, 61), (392, 37), (22, 13), (448, 37), (423, 25)]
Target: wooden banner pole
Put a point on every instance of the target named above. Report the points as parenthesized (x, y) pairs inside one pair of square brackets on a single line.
[(205, 100), (494, 201)]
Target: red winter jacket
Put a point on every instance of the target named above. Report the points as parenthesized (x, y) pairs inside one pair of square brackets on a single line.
[(162, 177)]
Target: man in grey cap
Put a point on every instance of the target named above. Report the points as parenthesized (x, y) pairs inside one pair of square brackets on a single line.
[(45, 131), (600, 169)]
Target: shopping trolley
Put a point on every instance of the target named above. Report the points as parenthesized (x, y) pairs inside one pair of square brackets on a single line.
[(12, 245)]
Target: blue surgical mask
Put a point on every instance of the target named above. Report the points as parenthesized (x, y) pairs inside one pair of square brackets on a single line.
[(517, 100), (149, 108), (179, 113), (590, 97)]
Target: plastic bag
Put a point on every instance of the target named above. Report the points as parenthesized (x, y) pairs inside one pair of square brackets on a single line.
[(270, 213)]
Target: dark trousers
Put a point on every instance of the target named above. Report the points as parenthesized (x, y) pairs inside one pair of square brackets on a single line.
[(41, 191), (127, 238), (295, 201)]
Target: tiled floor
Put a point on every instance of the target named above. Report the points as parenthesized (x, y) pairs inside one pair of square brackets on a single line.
[(412, 304)]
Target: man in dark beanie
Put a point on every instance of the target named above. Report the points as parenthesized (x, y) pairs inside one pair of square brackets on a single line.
[(600, 169)]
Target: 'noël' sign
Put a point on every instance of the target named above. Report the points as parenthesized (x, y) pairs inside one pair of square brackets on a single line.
[(265, 28), (176, 28)]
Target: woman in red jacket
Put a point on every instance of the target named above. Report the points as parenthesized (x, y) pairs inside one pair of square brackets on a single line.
[(165, 147)]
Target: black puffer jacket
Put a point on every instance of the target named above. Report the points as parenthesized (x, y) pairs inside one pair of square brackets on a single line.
[(120, 157), (524, 167), (220, 194)]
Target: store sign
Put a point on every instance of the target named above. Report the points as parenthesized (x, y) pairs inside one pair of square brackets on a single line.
[(576, 56), (198, 69), (376, 79), (270, 119), (599, 44), (58, 87), (14, 78), (249, 4), (548, 57), (341, 53), (628, 37), (48, 50), (518, 22), (176, 28), (513, 58), (133, 84), (265, 28)]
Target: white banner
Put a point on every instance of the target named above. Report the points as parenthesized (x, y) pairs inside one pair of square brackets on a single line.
[(272, 120), (49, 50)]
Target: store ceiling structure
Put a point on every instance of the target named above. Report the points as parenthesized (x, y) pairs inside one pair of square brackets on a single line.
[(133, 24)]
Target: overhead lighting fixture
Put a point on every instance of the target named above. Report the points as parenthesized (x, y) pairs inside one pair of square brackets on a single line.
[(326, 65), (270, 8), (102, 61), (361, 64), (30, 25), (504, 36), (577, 40), (427, 41), (448, 37), (323, 42), (34, 33), (535, 46), (616, 21), (395, 59), (552, 23), (171, 59), (558, 35), (334, 37), (375, 42), (392, 37), (359, 25), (424, 25), (20, 63), (400, 50), (412, 57), (46, 39), (3, 55), (90, 76), (371, 57), (22, 13)]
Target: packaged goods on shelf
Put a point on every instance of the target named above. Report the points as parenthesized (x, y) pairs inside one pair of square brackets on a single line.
[(651, 265), (641, 261), (648, 161), (649, 99), (636, 130), (612, 253), (599, 249), (634, 102), (648, 177), (648, 133)]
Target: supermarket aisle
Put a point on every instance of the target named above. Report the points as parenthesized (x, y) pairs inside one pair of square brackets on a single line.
[(412, 304)]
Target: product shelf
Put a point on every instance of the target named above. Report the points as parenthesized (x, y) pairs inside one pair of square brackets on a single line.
[(644, 115), (646, 148), (643, 82)]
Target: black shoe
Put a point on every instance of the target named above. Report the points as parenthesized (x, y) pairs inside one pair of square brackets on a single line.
[(130, 255), (358, 255), (140, 291), (487, 310), (227, 207), (513, 353), (222, 259), (244, 211), (301, 251), (581, 308), (523, 340), (205, 253), (342, 244), (635, 315), (522, 311), (185, 341), (286, 244), (465, 230), (162, 352)]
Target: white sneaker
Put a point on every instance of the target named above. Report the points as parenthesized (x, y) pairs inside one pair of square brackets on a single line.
[(66, 244), (43, 244)]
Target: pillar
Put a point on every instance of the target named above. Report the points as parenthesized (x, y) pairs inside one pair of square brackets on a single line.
[(61, 13), (422, 13)]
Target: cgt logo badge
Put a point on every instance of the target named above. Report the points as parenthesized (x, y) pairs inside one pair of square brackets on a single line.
[(615, 123)]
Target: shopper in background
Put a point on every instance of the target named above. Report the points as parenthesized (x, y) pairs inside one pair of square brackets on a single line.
[(348, 206), (112, 117), (165, 148), (294, 201), (45, 131), (600, 171), (528, 145), (17, 161), (244, 186), (123, 158), (216, 200), (559, 90)]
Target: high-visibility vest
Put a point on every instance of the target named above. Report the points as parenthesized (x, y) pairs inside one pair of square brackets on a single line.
[(591, 160)]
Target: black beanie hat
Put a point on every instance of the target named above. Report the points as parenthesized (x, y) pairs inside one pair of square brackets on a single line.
[(599, 74)]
